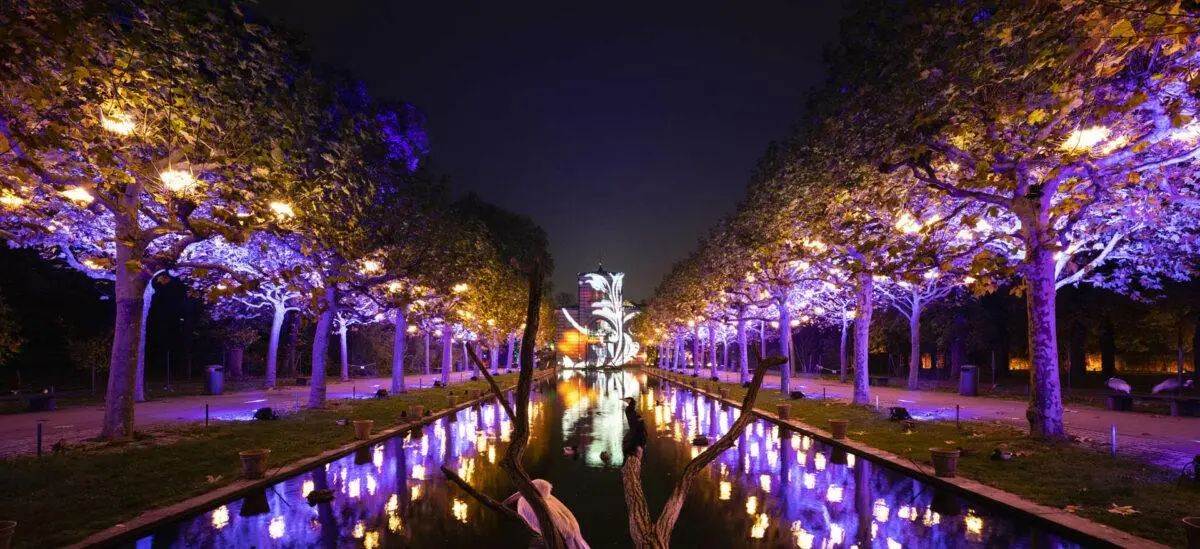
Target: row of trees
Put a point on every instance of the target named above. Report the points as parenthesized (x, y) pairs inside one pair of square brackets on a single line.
[(965, 144), (145, 139)]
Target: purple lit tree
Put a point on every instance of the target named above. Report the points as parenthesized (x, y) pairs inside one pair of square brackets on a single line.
[(105, 161)]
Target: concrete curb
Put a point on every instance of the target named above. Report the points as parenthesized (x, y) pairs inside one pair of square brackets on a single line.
[(149, 520), (1056, 518)]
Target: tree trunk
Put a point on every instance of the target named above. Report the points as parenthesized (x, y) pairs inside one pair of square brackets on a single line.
[(277, 317), (958, 342), (447, 354), (320, 348), (762, 340), (139, 386), (236, 356), (842, 349), (129, 286), (743, 354), (914, 352), (697, 355), (785, 348), (1045, 406), (862, 339), (509, 357), (494, 353), (399, 338), (712, 349), (1108, 347), (344, 351)]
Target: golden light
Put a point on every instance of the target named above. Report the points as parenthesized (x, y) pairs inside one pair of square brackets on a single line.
[(460, 510), (795, 322), (969, 279), (726, 490), (774, 323), (691, 324), (177, 180), (418, 472), (371, 540), (907, 224), (759, 529), (120, 123), (810, 480), (91, 264), (834, 494), (974, 524), (371, 266), (307, 488), (930, 275), (1085, 139), (412, 329), (360, 530), (9, 200), (282, 210), (460, 288), (804, 540), (837, 534), (751, 505), (78, 194), (764, 482)]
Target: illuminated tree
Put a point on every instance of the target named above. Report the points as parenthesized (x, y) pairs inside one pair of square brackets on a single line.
[(129, 133), (1069, 125)]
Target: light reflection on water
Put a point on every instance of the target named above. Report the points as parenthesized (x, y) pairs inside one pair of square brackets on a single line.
[(775, 488)]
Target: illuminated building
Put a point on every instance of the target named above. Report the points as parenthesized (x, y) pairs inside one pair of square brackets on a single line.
[(595, 332)]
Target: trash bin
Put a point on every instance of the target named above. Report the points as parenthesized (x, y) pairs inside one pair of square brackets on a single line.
[(214, 383), (968, 380)]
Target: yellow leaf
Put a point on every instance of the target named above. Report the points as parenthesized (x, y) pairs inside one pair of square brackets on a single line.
[(1123, 29), (1037, 116)]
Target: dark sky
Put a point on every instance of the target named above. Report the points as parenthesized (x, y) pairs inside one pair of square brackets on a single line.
[(625, 129)]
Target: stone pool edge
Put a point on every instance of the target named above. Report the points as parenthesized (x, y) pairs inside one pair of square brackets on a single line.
[(1057, 517), (148, 520)]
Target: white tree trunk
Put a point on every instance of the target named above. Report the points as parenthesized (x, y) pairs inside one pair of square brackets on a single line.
[(139, 386), (697, 355), (447, 354), (1045, 406), (277, 317), (494, 353), (914, 353), (842, 349), (320, 348), (712, 351), (743, 355), (862, 339), (509, 357), (785, 349), (345, 353), (398, 341)]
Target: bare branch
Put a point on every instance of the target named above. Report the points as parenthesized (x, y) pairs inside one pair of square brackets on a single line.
[(488, 501), (492, 383)]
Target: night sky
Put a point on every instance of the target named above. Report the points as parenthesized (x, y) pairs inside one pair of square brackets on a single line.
[(625, 129)]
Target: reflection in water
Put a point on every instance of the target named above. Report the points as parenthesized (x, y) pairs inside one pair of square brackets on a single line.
[(774, 488)]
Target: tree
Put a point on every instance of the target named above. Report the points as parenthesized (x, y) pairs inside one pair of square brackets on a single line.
[(1065, 123), (130, 133)]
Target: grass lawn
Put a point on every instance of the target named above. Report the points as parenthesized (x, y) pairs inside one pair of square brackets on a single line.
[(1052, 474), (63, 498)]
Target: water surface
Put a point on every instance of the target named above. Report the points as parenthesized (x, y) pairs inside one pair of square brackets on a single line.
[(775, 488)]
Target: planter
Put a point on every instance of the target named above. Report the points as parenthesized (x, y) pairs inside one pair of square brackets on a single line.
[(784, 411), (1191, 526), (415, 411), (945, 461), (723, 392), (7, 529), (452, 401), (254, 462), (838, 427), (362, 428)]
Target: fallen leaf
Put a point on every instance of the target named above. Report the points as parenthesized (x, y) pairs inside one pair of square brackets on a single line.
[(1073, 508), (214, 480), (1123, 510), (950, 442)]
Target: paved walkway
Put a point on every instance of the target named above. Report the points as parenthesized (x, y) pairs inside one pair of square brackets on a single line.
[(1168, 441), (18, 432)]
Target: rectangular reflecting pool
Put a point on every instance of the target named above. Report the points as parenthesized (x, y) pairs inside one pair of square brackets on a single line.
[(775, 488)]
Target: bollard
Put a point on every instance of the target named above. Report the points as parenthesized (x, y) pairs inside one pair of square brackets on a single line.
[(876, 403), (956, 423), (1114, 440), (353, 391), (823, 395), (206, 414), (39, 439)]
